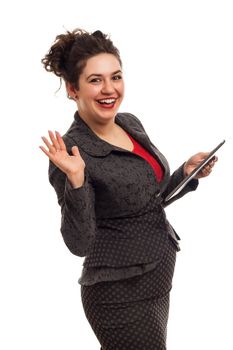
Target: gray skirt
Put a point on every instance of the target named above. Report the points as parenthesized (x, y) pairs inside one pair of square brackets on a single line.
[(132, 313)]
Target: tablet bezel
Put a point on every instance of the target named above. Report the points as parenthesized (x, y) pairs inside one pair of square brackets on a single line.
[(189, 177)]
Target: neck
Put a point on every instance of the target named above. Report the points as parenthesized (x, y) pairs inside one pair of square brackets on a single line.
[(101, 128)]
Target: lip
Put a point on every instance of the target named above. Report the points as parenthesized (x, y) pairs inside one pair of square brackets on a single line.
[(106, 106), (107, 98)]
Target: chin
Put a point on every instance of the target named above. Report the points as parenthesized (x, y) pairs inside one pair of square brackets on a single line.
[(107, 114)]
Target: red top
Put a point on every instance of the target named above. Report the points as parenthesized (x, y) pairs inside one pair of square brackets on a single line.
[(138, 149)]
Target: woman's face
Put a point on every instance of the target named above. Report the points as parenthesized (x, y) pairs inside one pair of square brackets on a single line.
[(101, 88)]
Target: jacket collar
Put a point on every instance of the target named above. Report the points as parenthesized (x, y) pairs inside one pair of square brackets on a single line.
[(90, 143), (93, 145)]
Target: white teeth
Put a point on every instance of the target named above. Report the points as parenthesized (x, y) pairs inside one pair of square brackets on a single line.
[(108, 101)]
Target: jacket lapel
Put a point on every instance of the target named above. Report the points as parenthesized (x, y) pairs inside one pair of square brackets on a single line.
[(134, 130), (95, 146), (141, 136)]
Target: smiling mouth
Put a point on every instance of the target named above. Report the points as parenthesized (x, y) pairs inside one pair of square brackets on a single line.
[(107, 101)]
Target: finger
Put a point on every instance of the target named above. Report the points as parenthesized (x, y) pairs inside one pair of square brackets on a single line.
[(45, 151), (75, 151), (213, 161), (207, 167), (207, 170), (54, 140), (60, 141), (50, 147), (203, 155)]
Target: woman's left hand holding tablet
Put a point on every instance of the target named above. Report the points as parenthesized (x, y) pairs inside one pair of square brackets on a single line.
[(195, 160)]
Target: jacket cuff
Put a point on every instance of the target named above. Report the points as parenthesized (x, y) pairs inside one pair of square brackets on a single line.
[(178, 175), (191, 185), (77, 195)]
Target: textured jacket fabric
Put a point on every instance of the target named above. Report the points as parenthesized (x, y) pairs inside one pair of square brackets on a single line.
[(116, 219)]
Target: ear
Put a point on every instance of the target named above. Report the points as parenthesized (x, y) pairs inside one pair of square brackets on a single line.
[(71, 91)]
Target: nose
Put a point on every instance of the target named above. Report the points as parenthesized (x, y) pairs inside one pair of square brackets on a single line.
[(107, 87)]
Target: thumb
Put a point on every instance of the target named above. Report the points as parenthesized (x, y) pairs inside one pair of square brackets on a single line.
[(75, 151)]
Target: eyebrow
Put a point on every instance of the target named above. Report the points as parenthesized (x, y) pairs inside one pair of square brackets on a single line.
[(99, 75)]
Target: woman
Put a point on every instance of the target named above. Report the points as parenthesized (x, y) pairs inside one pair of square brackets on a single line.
[(111, 182)]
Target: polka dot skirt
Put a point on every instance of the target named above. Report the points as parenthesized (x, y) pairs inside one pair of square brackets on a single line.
[(132, 314)]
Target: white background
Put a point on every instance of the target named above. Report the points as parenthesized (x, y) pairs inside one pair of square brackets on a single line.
[(177, 58)]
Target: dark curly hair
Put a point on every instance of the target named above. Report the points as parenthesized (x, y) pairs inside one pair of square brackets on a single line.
[(68, 55)]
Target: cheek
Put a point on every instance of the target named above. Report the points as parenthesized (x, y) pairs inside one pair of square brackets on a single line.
[(122, 88), (94, 92)]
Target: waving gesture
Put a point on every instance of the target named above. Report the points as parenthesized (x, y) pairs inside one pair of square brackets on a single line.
[(72, 165)]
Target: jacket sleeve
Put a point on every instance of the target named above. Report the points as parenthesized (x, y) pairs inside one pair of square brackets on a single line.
[(175, 179), (78, 222)]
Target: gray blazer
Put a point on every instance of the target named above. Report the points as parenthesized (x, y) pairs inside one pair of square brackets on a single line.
[(117, 217)]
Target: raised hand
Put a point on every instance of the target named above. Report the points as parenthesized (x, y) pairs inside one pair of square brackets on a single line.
[(72, 165), (195, 160)]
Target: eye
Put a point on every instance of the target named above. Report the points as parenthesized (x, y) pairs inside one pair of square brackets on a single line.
[(117, 77), (95, 80)]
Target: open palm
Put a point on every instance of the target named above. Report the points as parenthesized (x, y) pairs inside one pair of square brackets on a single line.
[(57, 153)]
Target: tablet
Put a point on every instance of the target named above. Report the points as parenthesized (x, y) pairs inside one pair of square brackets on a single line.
[(189, 177)]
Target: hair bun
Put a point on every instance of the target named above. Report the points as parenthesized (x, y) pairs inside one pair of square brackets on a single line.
[(98, 34)]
